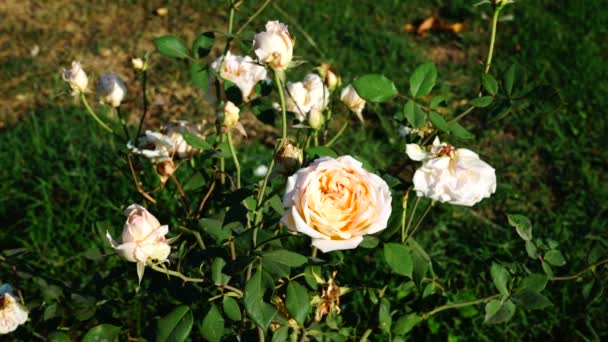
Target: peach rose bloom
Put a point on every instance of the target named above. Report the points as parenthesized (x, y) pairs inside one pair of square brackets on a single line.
[(336, 202)]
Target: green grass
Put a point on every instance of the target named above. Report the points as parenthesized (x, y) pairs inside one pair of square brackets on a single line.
[(65, 182)]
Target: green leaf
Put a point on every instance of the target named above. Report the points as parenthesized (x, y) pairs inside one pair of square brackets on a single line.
[(176, 326), (216, 271), (196, 141), (531, 249), (369, 242), (171, 46), (259, 311), (195, 182), (297, 302), (384, 316), (497, 312), (510, 78), (312, 275), (489, 83), (535, 282), (555, 258), (375, 88), (399, 259), (102, 332), (231, 308), (406, 323), (592, 291), (202, 44), (522, 225), (212, 328), (320, 151), (199, 76), (285, 257), (281, 334), (530, 299), (429, 289), (439, 122), (215, 230), (547, 269), (501, 277), (483, 101), (437, 101), (423, 80), (460, 131), (414, 115)]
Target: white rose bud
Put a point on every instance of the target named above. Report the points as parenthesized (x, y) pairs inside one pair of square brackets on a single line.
[(315, 119), (303, 97), (76, 77), (336, 202), (138, 64), (242, 71), (111, 89), (230, 115), (12, 313), (143, 238), (352, 100), (330, 78), (274, 47), (455, 176)]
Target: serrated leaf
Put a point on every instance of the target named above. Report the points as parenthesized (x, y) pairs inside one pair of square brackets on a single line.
[(215, 230), (216, 271), (437, 101), (375, 88), (530, 299), (555, 258), (439, 122), (497, 312), (195, 182), (312, 275), (423, 80), (483, 101), (547, 269), (259, 311), (286, 258), (500, 277), (399, 259), (414, 115), (202, 44), (406, 323), (369, 242), (196, 141), (281, 334), (231, 308), (531, 249), (510, 78), (522, 225), (459, 131), (384, 316), (535, 282), (199, 76), (171, 46), (212, 327), (489, 83), (297, 302), (102, 332), (176, 326)]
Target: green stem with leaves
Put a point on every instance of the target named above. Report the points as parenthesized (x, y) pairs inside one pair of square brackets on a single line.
[(235, 159), (277, 81), (83, 98), (492, 37), (176, 274)]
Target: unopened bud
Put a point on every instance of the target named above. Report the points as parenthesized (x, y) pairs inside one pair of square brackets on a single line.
[(315, 119), (138, 64), (289, 158), (76, 77), (111, 89), (229, 116), (329, 76), (165, 170)]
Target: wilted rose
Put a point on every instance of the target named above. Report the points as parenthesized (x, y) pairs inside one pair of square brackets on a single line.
[(12, 313), (76, 77), (329, 76), (242, 71), (143, 238), (274, 47), (111, 89), (455, 176), (352, 100), (229, 116), (336, 202), (167, 144), (289, 158), (306, 96)]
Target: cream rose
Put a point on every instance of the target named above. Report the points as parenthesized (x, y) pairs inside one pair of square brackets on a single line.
[(166, 145), (274, 47), (12, 313), (229, 116), (307, 96), (242, 71), (76, 77), (352, 100), (336, 202), (455, 176), (143, 238), (111, 89)]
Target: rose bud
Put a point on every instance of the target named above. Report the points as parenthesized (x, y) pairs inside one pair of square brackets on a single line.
[(336, 202), (138, 64), (76, 77), (229, 116), (315, 119), (165, 170), (289, 158), (143, 239), (353, 101), (242, 71), (111, 89), (455, 176), (329, 76), (12, 313), (274, 47)]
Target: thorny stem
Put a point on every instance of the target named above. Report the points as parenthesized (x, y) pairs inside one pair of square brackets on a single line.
[(581, 272), (265, 183), (237, 166), (277, 81), (426, 211), (196, 234), (206, 198), (337, 136), (182, 194), (176, 274), (92, 113), (458, 305), (406, 196), (409, 222), (492, 38)]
